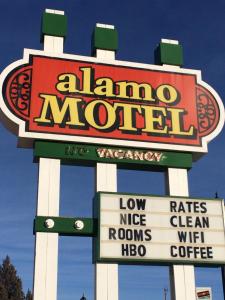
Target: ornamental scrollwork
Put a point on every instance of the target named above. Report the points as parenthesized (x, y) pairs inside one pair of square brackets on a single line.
[(206, 111), (20, 91)]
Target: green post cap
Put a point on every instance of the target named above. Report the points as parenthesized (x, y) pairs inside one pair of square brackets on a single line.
[(54, 23), (169, 52), (104, 37)]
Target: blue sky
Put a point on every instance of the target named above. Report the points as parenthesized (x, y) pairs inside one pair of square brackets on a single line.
[(200, 28)]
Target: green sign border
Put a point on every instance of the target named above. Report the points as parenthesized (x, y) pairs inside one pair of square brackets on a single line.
[(73, 153), (134, 261)]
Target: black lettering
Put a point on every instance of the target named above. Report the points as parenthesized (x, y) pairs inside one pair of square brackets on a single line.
[(123, 219), (125, 250), (198, 222), (181, 207), (173, 206), (203, 207), (148, 235), (180, 222), (189, 221), (121, 204), (198, 252), (138, 235), (131, 203), (189, 205), (172, 251), (141, 204), (190, 237), (209, 252), (143, 220), (182, 235), (205, 222), (112, 233), (196, 236), (141, 250), (133, 251), (129, 234), (191, 252), (203, 253), (182, 251), (121, 234), (172, 221), (134, 221), (129, 220), (196, 207), (202, 237)]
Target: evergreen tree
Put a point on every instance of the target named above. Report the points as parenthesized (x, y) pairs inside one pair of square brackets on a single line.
[(28, 295), (3, 292), (10, 283)]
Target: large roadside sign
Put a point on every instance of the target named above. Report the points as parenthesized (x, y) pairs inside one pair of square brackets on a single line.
[(152, 229), (82, 99)]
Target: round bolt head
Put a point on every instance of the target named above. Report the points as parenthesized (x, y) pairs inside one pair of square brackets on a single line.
[(79, 225), (49, 223)]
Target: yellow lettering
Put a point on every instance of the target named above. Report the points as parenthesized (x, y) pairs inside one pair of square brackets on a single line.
[(105, 87), (167, 93), (128, 110), (87, 80), (91, 117), (52, 113), (154, 123), (67, 83), (176, 121), (133, 90)]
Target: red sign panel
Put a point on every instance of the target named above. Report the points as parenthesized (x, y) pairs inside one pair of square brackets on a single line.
[(92, 101)]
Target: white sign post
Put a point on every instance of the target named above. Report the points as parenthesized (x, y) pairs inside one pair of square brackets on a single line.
[(46, 245), (106, 275), (182, 277)]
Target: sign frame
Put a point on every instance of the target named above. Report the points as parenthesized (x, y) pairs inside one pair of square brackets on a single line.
[(26, 139), (159, 262)]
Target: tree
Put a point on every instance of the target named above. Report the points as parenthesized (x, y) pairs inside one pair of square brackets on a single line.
[(10, 283), (3, 292), (28, 295)]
